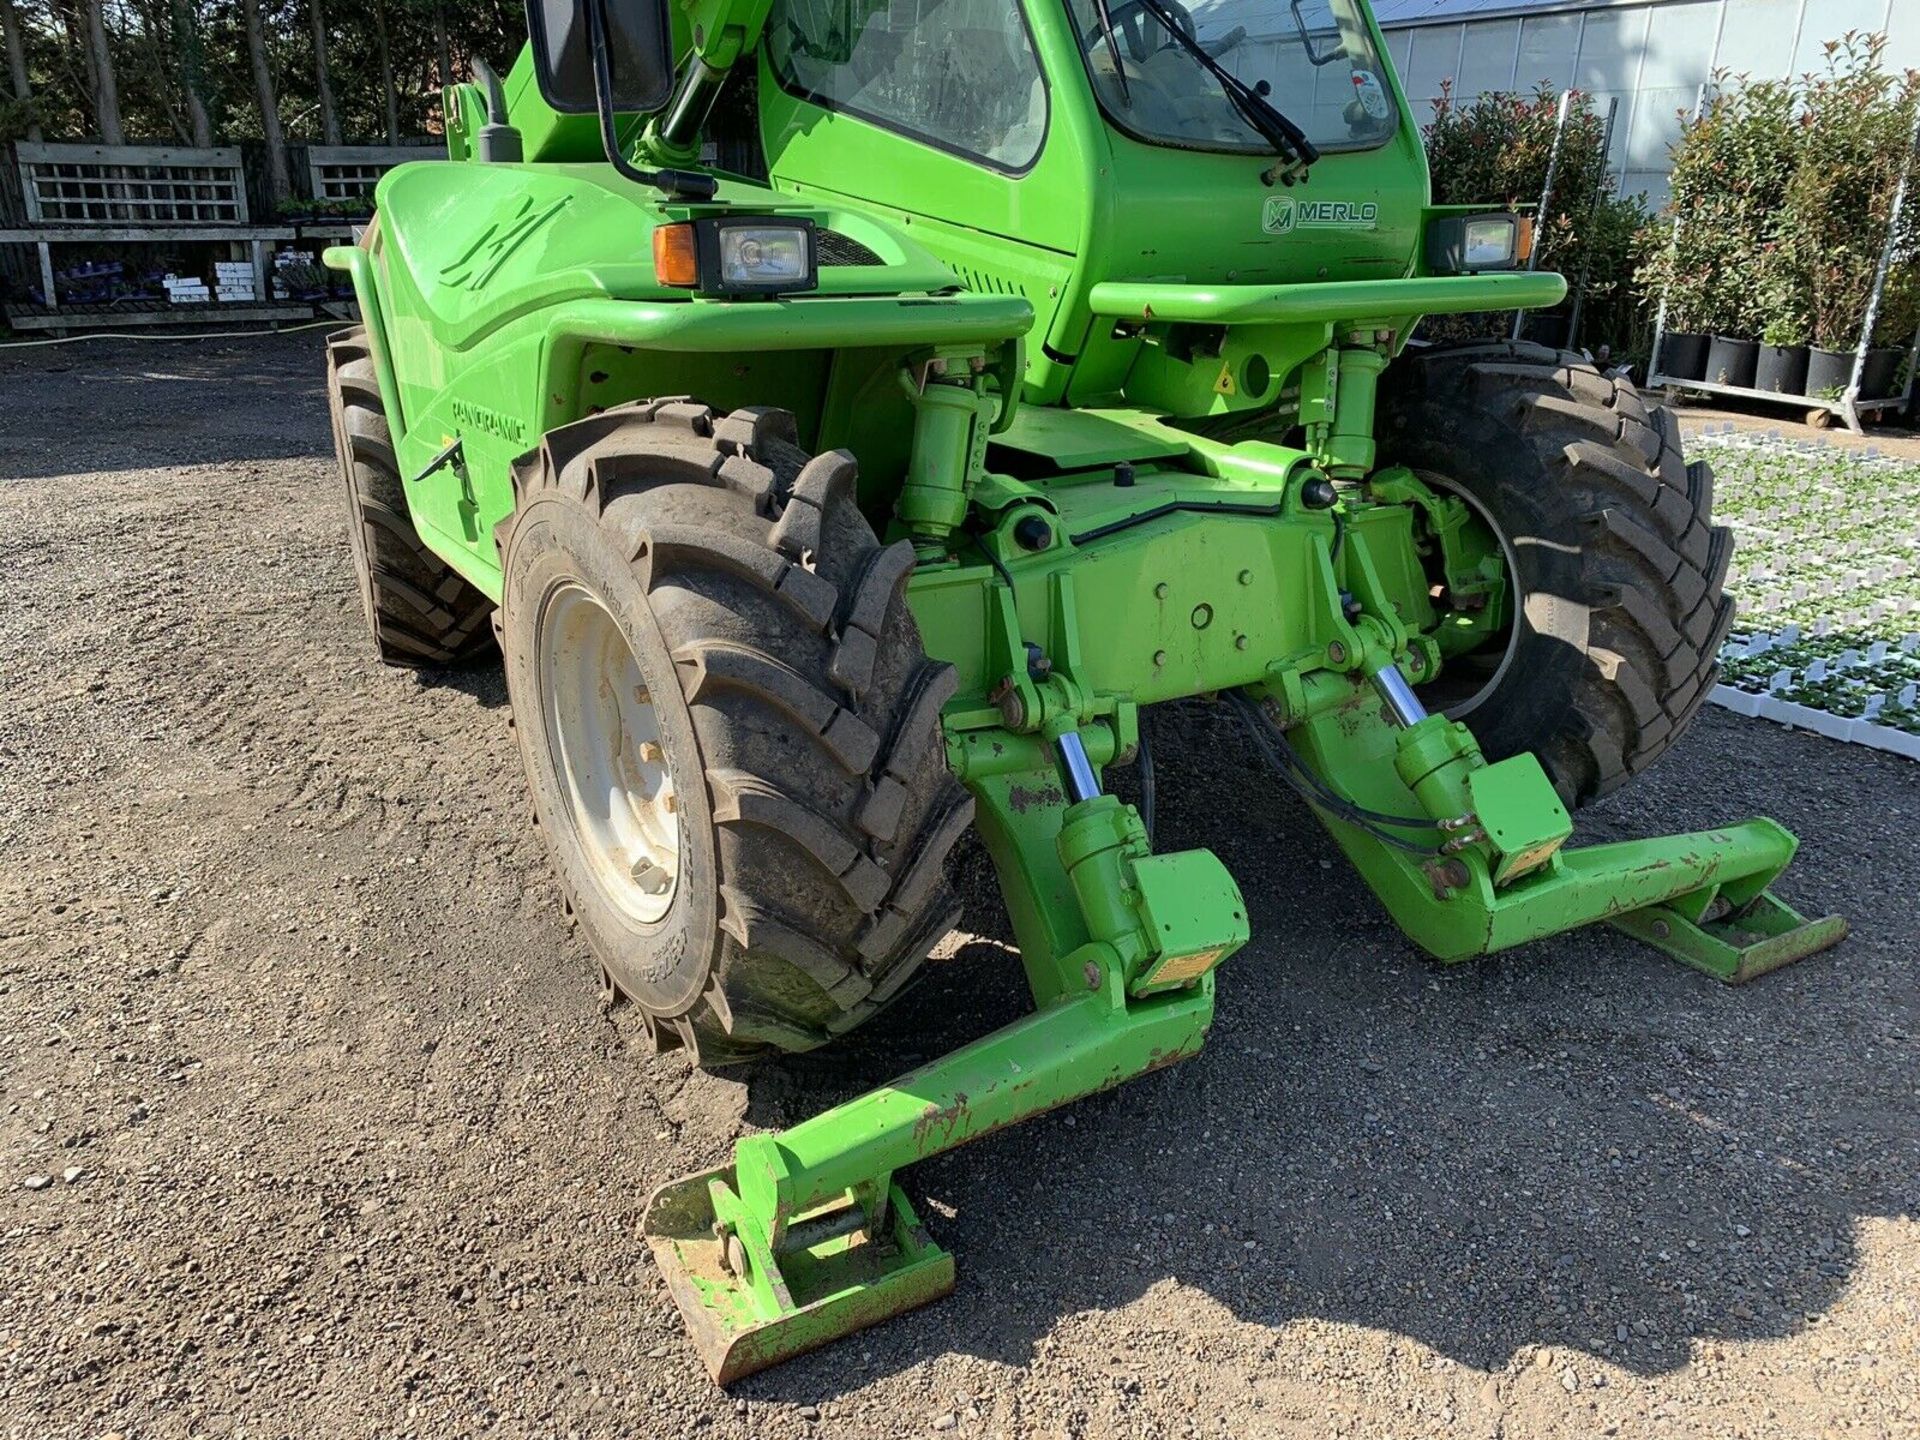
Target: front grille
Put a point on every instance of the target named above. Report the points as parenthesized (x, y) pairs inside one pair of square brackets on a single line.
[(830, 247)]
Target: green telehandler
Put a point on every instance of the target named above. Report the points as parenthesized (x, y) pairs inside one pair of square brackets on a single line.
[(1060, 362)]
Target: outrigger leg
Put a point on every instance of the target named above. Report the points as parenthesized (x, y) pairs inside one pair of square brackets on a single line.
[(1469, 855), (806, 1237)]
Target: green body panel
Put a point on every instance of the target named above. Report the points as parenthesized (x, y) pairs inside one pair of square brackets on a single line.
[(524, 297), (1122, 407)]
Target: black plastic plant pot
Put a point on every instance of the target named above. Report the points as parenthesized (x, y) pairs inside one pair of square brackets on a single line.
[(1545, 329), (1880, 379), (1683, 356), (1781, 370), (1828, 372), (1731, 362)]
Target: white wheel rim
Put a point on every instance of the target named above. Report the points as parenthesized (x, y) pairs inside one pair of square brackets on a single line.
[(603, 734)]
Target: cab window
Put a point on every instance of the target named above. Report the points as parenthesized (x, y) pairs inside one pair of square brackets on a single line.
[(961, 75)]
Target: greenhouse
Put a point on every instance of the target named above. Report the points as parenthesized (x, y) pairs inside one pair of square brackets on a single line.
[(1652, 58)]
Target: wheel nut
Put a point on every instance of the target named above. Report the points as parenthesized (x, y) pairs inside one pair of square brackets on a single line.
[(649, 752), (643, 695), (670, 803)]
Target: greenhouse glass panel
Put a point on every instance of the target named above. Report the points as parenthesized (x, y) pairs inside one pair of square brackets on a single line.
[(1548, 44)]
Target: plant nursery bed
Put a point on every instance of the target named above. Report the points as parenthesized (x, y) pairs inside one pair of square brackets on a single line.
[(1826, 573)]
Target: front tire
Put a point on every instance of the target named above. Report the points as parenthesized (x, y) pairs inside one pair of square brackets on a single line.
[(421, 612), (694, 608), (1617, 568)]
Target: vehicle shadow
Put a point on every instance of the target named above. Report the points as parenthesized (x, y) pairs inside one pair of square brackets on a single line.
[(484, 681), (1581, 1144)]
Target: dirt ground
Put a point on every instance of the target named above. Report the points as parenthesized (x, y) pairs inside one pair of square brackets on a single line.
[(311, 1125)]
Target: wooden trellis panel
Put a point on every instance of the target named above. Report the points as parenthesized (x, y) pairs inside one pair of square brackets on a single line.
[(349, 172), (131, 185)]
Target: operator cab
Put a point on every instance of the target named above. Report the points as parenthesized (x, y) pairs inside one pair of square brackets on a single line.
[(969, 76), (1041, 147)]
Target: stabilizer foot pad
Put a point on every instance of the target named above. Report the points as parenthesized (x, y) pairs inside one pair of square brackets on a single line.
[(814, 1293), (1764, 935)]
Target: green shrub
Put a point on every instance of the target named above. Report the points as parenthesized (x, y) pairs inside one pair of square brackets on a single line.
[(1731, 169), (1614, 314), (1494, 151), (1784, 191), (1856, 132)]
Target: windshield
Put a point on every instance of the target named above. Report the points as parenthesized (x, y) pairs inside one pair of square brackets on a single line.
[(1313, 59)]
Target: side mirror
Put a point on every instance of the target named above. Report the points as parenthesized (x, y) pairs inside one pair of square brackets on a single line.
[(639, 53)]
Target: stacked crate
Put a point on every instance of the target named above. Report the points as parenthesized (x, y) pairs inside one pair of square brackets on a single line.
[(186, 290), (233, 281)]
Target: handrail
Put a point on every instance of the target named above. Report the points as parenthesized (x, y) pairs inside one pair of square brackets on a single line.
[(821, 323), (358, 265), (1328, 301)]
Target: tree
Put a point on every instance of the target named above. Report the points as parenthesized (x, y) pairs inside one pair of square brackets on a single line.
[(385, 47), (185, 69), (150, 70), (323, 83), (106, 90), (269, 105), (193, 77), (17, 66), (442, 48)]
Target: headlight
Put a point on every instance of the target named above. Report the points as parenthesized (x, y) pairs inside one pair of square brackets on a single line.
[(737, 255), (763, 257), (1467, 244)]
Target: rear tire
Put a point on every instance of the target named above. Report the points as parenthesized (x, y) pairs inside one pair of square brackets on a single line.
[(1621, 610), (792, 709), (422, 613)]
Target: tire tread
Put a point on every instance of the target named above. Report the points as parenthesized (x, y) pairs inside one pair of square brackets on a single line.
[(816, 711), (1655, 565), (421, 612)]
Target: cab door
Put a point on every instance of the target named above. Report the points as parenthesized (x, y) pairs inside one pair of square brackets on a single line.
[(940, 115)]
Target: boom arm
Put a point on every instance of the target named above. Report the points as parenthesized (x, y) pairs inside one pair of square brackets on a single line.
[(709, 38), (721, 32)]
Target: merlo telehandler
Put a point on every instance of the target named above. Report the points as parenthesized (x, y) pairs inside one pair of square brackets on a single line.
[(1061, 361)]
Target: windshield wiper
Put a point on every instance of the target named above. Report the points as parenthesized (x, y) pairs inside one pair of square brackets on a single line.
[(1288, 140)]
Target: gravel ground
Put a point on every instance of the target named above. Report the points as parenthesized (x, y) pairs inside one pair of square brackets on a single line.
[(310, 1123)]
